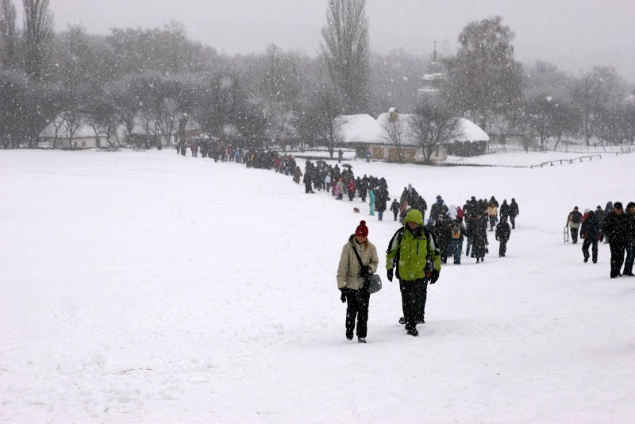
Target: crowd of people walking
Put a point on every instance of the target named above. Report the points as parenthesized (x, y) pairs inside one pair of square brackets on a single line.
[(614, 226), (419, 248)]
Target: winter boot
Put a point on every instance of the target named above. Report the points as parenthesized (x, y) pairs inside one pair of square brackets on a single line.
[(402, 320), (361, 340)]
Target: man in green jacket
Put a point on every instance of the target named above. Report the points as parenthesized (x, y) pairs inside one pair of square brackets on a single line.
[(412, 250)]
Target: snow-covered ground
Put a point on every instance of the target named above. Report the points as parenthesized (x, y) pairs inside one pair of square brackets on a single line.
[(146, 287)]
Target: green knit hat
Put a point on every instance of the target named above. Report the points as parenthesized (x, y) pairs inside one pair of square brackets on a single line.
[(413, 215)]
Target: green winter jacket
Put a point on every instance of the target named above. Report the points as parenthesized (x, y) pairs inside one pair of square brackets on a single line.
[(411, 253)]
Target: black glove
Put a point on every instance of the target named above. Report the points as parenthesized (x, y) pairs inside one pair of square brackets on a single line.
[(427, 271), (343, 296), (389, 274), (435, 276), (496, 238), (364, 271)]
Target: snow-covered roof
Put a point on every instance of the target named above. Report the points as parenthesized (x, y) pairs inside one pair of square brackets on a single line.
[(364, 128), (361, 128), (469, 131)]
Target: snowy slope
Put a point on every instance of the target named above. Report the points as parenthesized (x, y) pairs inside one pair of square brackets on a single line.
[(149, 287)]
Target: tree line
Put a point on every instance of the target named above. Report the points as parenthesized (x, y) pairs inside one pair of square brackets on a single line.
[(161, 80)]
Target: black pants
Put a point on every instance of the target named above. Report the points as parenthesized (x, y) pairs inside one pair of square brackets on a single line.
[(357, 307), (630, 256), (411, 301), (502, 248), (594, 249), (574, 234), (617, 258), (512, 220)]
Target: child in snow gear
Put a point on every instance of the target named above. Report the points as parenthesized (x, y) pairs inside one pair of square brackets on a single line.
[(412, 251), (351, 278)]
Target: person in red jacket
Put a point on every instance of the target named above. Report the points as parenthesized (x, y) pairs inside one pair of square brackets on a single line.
[(351, 188)]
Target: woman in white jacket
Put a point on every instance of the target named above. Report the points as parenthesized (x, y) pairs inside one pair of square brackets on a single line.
[(351, 277)]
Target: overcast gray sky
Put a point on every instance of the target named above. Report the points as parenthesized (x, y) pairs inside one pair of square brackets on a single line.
[(573, 34)]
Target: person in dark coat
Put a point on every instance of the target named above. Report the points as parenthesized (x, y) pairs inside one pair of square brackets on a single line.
[(419, 203), (381, 197), (503, 231), (442, 231), (479, 237), (599, 214), (513, 213), (394, 207), (590, 231), (308, 177), (630, 247), (504, 209), (469, 224), (617, 229), (438, 208)]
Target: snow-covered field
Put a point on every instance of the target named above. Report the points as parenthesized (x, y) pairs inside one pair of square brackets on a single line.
[(146, 287)]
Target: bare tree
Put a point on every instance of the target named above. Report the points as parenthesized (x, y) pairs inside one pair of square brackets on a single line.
[(73, 120), (434, 125), (611, 126), (38, 32), (345, 49), (528, 140), (395, 129), (280, 90), (101, 114), (318, 120), (593, 91), (8, 34)]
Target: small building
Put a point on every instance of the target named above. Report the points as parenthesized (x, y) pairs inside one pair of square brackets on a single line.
[(471, 140), (382, 136), (64, 134)]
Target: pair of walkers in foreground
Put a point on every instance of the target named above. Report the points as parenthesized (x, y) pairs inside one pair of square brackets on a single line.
[(411, 256)]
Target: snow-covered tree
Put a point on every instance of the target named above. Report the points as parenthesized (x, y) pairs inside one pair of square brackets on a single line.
[(345, 49), (483, 78)]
